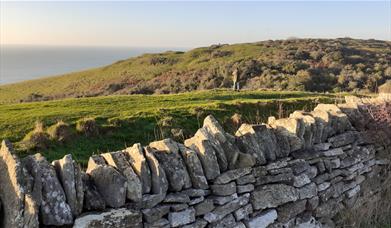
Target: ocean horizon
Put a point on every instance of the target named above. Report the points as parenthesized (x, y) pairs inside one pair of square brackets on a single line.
[(26, 62)]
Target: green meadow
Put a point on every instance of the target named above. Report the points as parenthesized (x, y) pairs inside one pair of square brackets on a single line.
[(124, 120)]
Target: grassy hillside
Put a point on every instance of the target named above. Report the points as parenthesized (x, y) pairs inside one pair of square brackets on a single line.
[(125, 120), (302, 64)]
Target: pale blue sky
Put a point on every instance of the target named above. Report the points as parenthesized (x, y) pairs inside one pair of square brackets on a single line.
[(188, 24)]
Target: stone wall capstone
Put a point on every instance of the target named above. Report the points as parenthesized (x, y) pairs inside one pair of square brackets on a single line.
[(298, 171)]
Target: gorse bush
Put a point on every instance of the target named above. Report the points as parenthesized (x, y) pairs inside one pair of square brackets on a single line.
[(60, 131), (37, 138), (88, 127)]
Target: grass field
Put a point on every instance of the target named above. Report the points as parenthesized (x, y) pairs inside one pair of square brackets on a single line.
[(125, 120)]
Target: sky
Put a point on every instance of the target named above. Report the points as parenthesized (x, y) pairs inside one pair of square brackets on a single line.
[(188, 24)]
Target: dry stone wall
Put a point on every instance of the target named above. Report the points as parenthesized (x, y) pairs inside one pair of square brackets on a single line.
[(293, 172)]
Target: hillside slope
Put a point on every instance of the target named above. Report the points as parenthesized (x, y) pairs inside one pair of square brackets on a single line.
[(303, 64)]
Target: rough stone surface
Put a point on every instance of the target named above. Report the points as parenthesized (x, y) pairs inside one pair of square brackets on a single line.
[(221, 211), (194, 167), (108, 181), (159, 183), (204, 134), (231, 175), (154, 214), (290, 210), (273, 195), (137, 160), (263, 220), (243, 212), (69, 174), (204, 207), (227, 142), (259, 141), (133, 184), (182, 217), (119, 218), (224, 189), (177, 198), (93, 201), (54, 209), (207, 156), (167, 153), (12, 192)]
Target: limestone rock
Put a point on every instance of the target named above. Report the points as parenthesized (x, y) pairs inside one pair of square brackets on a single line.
[(323, 125), (108, 181), (333, 152), (339, 121), (167, 153), (154, 214), (203, 134), (245, 160), (227, 221), (133, 183), (221, 200), (192, 192), (194, 167), (243, 212), (181, 218), (177, 198), (12, 192), (245, 188), (307, 191), (204, 207), (248, 179), (290, 210), (54, 210), (342, 139), (220, 212), (135, 156), (231, 175), (224, 189), (263, 220), (270, 196), (93, 201), (309, 127), (252, 142), (119, 218), (159, 183), (227, 142), (301, 180), (69, 173), (199, 223), (161, 223), (151, 200), (293, 129), (207, 156)]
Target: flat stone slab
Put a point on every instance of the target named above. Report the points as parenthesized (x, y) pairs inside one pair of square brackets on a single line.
[(231, 175), (182, 217), (119, 218), (270, 196), (224, 189)]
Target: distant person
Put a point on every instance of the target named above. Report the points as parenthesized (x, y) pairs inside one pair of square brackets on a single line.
[(235, 78)]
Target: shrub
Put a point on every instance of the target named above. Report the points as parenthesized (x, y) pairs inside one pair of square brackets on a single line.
[(60, 131), (88, 127), (37, 138)]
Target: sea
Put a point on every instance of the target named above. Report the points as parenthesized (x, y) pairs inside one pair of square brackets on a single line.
[(25, 62)]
